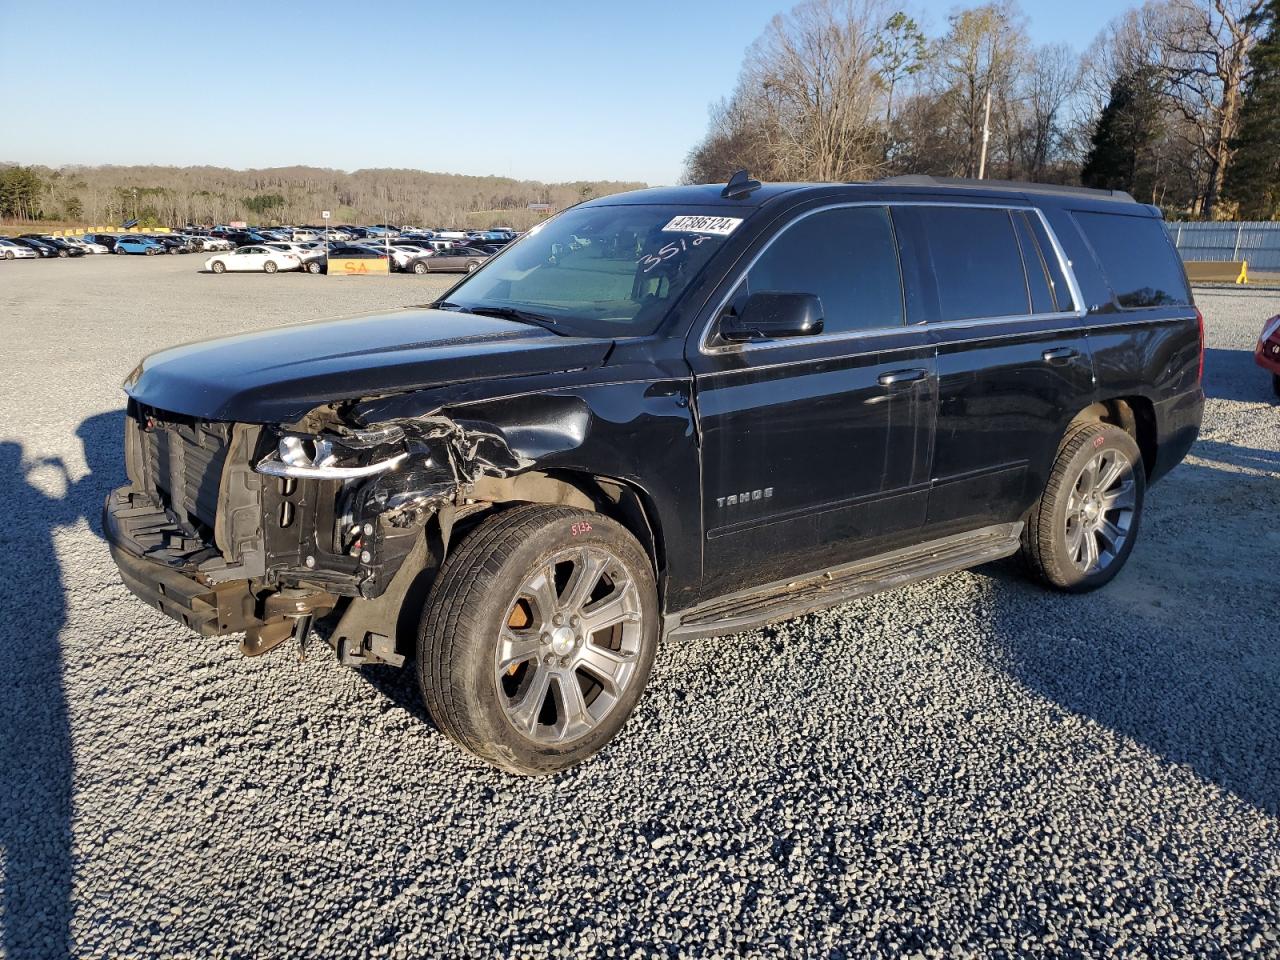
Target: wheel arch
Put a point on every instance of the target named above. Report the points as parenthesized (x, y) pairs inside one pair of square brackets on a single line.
[(1135, 415)]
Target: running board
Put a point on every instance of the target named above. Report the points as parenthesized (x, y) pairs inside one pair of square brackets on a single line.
[(786, 599)]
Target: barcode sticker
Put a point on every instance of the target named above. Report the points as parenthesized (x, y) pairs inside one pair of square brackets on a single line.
[(720, 226)]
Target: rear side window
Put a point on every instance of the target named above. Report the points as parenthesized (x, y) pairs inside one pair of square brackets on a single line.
[(976, 262), (1136, 258), (847, 257)]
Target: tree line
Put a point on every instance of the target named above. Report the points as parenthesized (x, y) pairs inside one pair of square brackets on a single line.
[(174, 196), (1176, 101)]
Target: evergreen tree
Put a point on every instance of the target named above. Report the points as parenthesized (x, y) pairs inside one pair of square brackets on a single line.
[(1253, 179), (1122, 150)]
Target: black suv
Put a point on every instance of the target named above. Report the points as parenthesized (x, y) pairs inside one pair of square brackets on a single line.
[(668, 413)]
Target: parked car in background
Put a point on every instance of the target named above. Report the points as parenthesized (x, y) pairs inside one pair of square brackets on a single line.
[(256, 258), (139, 245), (173, 243), (42, 250), (107, 240), (87, 245), (61, 247), (400, 259), (448, 261), (1267, 353), (306, 252), (10, 250)]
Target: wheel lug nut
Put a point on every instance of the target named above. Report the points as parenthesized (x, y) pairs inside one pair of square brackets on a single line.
[(564, 661), (548, 659), (574, 621), (545, 638), (557, 619)]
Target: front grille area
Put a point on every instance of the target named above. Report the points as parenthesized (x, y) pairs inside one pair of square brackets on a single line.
[(182, 460)]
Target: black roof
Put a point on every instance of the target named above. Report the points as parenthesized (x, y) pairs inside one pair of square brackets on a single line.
[(711, 194)]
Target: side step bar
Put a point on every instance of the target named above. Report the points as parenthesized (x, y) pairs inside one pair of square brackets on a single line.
[(786, 599)]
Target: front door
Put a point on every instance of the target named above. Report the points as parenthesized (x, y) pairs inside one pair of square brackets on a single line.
[(815, 450)]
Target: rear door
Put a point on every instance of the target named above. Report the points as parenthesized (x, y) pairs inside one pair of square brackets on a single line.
[(1013, 362), (815, 450)]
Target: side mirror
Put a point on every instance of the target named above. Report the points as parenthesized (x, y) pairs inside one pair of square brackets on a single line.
[(769, 316)]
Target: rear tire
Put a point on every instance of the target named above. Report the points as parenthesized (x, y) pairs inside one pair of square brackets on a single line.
[(219, 267), (538, 637), (472, 267), (1083, 527), (1275, 377), (269, 267)]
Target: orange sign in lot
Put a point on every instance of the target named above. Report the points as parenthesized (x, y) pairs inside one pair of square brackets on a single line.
[(358, 268)]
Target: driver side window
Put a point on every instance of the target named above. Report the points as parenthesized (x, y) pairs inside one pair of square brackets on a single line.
[(847, 257)]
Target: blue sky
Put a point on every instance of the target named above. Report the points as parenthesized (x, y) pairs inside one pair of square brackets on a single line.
[(563, 91)]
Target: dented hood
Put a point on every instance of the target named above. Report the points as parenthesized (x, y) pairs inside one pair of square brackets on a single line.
[(276, 376)]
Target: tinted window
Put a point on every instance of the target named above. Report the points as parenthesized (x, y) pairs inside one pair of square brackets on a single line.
[(847, 257), (976, 262), (1137, 258), (1057, 279), (1037, 274)]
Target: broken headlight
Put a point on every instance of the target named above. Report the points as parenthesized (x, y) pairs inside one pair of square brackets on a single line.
[(333, 456)]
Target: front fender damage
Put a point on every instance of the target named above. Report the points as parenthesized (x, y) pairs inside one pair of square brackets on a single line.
[(388, 517)]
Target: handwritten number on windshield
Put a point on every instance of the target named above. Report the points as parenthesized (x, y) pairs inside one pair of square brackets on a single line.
[(682, 245)]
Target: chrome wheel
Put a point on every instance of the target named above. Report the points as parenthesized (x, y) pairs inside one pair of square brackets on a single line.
[(569, 645), (1100, 511)]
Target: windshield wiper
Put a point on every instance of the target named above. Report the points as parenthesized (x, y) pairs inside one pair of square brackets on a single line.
[(503, 313)]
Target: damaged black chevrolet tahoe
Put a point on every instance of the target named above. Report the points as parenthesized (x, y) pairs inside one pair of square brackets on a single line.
[(668, 413)]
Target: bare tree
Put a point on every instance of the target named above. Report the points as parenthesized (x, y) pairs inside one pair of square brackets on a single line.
[(808, 99), (1208, 42)]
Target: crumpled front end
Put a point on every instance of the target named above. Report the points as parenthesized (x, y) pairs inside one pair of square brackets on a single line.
[(231, 527)]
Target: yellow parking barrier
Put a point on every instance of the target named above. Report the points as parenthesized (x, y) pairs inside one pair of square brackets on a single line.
[(358, 268)]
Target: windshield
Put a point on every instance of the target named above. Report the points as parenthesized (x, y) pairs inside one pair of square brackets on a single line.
[(600, 271)]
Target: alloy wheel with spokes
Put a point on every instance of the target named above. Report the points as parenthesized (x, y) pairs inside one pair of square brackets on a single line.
[(1100, 509), (569, 646), (538, 636), (1082, 528)]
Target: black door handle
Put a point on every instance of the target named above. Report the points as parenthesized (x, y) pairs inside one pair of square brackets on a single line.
[(895, 377), (1060, 355)]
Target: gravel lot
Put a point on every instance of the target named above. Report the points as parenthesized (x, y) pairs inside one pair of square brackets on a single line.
[(968, 767)]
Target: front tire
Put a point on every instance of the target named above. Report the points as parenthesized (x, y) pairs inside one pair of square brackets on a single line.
[(538, 637), (9, 255), (1275, 377), (419, 268), (1082, 529), (472, 267), (269, 267), (314, 267)]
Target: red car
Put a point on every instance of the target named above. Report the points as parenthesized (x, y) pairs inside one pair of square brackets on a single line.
[(1268, 352)]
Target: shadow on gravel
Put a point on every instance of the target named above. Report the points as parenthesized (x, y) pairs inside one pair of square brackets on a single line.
[(1233, 375), (1172, 653), (35, 762)]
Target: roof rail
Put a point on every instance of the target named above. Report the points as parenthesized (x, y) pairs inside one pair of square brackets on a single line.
[(926, 180)]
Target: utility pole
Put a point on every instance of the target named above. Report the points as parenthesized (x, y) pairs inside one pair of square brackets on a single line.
[(986, 136)]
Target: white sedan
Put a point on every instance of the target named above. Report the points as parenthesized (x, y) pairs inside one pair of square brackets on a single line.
[(15, 251), (254, 259), (86, 245)]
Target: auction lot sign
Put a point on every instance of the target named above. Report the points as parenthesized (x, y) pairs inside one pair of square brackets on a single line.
[(359, 268)]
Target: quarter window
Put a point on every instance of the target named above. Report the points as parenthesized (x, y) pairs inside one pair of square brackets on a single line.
[(847, 257), (1137, 259), (976, 262)]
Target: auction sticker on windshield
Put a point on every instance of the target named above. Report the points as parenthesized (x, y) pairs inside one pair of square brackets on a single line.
[(721, 226)]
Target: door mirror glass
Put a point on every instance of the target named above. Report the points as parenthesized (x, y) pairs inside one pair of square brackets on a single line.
[(769, 316)]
